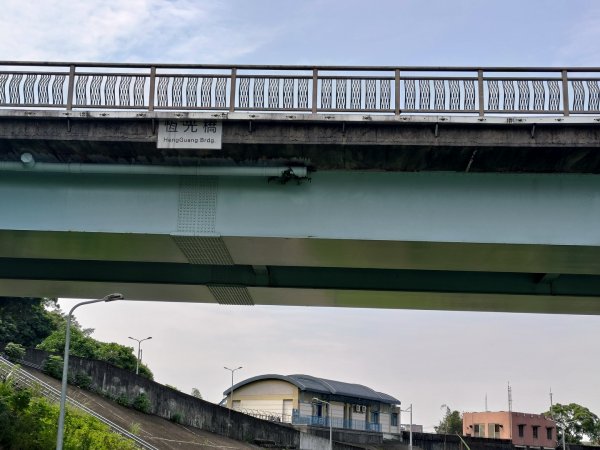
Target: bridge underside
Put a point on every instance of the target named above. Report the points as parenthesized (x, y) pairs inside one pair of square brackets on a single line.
[(377, 274), (330, 142), (444, 241)]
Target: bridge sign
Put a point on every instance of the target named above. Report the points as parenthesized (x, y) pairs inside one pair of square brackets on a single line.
[(190, 134)]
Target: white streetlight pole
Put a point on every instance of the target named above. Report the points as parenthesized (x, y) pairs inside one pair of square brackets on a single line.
[(318, 400), (139, 354), (63, 392), (410, 431), (231, 392)]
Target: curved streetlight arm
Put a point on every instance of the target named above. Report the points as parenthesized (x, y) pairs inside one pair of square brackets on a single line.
[(139, 353), (410, 432), (231, 390), (63, 391)]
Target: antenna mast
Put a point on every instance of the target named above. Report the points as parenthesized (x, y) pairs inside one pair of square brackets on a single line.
[(510, 410)]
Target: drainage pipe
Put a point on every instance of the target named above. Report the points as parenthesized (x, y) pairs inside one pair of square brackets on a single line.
[(28, 164)]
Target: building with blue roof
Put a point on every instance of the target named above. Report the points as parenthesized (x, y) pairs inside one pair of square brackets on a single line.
[(307, 400)]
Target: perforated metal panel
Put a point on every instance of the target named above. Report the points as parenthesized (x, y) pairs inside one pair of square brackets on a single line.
[(204, 250), (197, 206), (231, 295)]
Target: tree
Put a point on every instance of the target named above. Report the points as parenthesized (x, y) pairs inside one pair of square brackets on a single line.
[(451, 423), (577, 421), (27, 321), (14, 352), (85, 346), (196, 393), (80, 345)]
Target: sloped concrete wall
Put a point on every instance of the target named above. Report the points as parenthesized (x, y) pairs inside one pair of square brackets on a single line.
[(169, 403)]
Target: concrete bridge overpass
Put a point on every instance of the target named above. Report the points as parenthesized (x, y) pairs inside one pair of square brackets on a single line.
[(388, 187)]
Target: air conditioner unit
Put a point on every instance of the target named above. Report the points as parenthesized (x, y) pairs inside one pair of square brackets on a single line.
[(363, 408)]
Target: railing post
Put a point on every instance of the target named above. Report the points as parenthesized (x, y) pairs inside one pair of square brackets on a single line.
[(565, 89), (480, 92), (397, 92), (232, 91), (70, 87), (152, 88), (315, 90)]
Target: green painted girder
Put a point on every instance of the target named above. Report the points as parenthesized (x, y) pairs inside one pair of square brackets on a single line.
[(325, 278)]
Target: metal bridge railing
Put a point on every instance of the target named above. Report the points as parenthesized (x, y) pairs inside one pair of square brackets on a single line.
[(326, 89), (24, 379)]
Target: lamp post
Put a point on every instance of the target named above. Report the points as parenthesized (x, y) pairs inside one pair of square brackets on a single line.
[(231, 392), (409, 409), (139, 355), (63, 392), (318, 400)]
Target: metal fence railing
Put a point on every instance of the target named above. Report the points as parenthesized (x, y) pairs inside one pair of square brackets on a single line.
[(26, 380), (326, 89), (336, 422)]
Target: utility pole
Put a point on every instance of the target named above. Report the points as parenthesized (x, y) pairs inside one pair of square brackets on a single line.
[(139, 352), (510, 421), (557, 425)]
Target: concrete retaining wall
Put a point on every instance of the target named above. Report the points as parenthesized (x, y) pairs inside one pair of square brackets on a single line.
[(430, 441), (166, 402), (312, 442)]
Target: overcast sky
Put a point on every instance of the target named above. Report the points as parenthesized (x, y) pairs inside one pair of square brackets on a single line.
[(424, 358)]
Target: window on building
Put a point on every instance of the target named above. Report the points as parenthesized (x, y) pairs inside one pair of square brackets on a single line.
[(535, 431), (479, 430), (374, 416), (521, 430), (549, 433), (394, 420), (319, 410), (494, 430)]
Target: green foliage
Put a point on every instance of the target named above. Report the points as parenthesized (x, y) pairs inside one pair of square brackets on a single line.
[(141, 403), (14, 352), (80, 344), (83, 380), (53, 366), (176, 417), (451, 423), (135, 428), (26, 321), (196, 393), (577, 421), (123, 400), (84, 346), (28, 421), (37, 322)]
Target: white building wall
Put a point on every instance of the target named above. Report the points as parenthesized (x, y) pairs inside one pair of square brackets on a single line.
[(274, 407), (359, 416), (337, 410), (305, 409), (266, 387), (384, 420)]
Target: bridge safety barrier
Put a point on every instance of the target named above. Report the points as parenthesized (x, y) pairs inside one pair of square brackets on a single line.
[(477, 91)]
